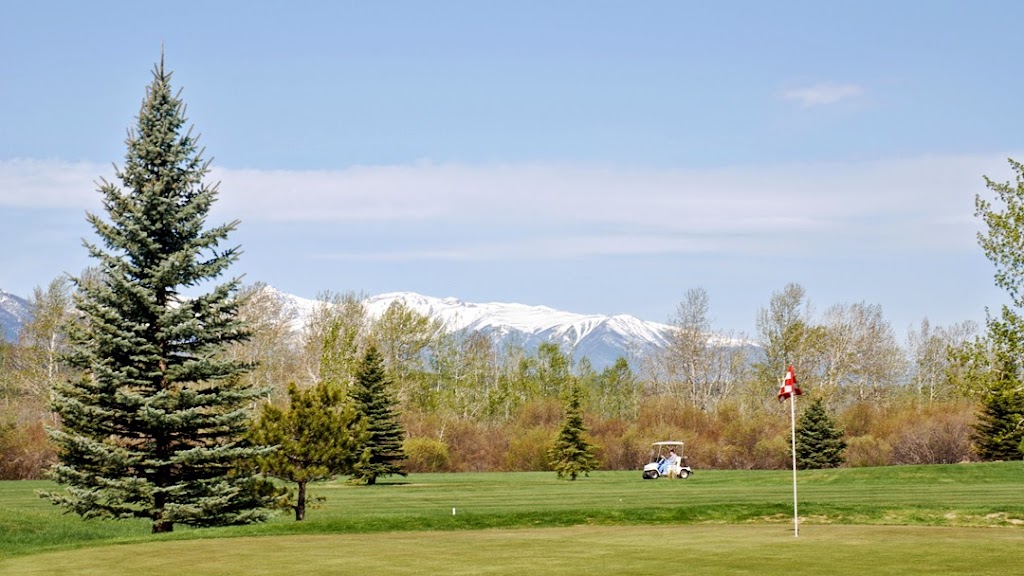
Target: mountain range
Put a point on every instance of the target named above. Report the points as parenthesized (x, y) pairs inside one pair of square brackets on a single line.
[(14, 311), (601, 339)]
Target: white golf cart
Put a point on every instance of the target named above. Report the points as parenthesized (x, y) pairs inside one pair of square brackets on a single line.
[(667, 460)]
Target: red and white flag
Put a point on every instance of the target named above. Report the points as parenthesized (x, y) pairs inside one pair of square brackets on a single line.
[(789, 387)]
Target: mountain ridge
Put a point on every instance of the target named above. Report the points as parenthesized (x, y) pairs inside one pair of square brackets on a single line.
[(602, 339), (14, 312)]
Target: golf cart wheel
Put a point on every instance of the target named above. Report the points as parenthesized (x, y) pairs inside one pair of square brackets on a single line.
[(684, 474)]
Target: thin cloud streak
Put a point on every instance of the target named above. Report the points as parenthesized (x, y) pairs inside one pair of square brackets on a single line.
[(570, 211), (823, 94), (535, 249)]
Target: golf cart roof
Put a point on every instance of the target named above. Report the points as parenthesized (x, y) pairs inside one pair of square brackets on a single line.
[(668, 443)]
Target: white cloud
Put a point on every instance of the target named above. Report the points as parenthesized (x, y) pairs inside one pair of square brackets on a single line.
[(823, 93), (567, 211), (29, 183)]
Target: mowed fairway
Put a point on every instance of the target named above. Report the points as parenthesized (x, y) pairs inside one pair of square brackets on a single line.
[(591, 550), (966, 519)]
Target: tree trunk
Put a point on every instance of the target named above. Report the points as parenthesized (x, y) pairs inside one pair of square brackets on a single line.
[(300, 503), (160, 524)]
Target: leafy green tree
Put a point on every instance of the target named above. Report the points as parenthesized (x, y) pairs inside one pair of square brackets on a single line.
[(42, 339), (273, 350), (155, 427), (554, 370), (572, 454), (317, 437), (933, 353), (997, 367), (402, 337), (695, 363), (819, 442), (335, 334), (382, 453), (788, 336), (464, 373), (860, 355), (617, 391)]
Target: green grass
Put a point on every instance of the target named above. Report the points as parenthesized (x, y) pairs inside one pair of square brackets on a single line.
[(591, 550), (838, 509)]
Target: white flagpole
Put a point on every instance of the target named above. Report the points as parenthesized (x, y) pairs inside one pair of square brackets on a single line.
[(792, 421)]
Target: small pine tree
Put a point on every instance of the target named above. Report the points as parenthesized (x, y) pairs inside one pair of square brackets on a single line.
[(317, 438), (999, 431), (819, 443), (571, 454), (381, 451), (155, 426)]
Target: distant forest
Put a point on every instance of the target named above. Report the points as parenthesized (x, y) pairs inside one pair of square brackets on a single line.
[(468, 402)]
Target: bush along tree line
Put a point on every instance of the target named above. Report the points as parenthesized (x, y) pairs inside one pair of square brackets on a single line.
[(153, 392)]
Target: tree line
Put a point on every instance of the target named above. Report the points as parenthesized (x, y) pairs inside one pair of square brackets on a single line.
[(470, 402), (142, 402)]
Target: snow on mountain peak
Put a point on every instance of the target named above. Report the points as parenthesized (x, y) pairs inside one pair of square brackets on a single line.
[(601, 339), (606, 336), (14, 311)]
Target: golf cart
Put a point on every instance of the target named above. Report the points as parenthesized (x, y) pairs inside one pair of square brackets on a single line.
[(667, 460)]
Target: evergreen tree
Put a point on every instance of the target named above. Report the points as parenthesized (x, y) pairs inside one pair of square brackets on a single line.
[(819, 443), (317, 438), (999, 432), (382, 453), (571, 454), (155, 426), (999, 429)]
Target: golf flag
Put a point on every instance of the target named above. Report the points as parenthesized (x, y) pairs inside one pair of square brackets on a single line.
[(789, 387), (787, 391)]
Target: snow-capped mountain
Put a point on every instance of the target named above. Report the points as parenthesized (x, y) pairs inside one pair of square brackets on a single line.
[(602, 339), (14, 311)]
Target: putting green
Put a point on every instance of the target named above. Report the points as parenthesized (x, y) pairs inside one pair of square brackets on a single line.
[(582, 550)]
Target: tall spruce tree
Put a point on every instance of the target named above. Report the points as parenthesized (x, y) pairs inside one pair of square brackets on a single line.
[(382, 453), (155, 427), (572, 455), (819, 443)]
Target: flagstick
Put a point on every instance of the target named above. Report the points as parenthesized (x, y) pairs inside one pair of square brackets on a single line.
[(792, 420)]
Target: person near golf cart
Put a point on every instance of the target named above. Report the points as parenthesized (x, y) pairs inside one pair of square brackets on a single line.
[(673, 458), (666, 462)]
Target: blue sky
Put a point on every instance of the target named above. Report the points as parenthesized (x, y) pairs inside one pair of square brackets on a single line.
[(595, 157)]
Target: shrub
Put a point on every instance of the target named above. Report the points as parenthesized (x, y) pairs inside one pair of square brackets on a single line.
[(772, 453), (475, 447), (943, 437), (25, 451), (622, 448), (425, 455), (867, 450), (528, 450)]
